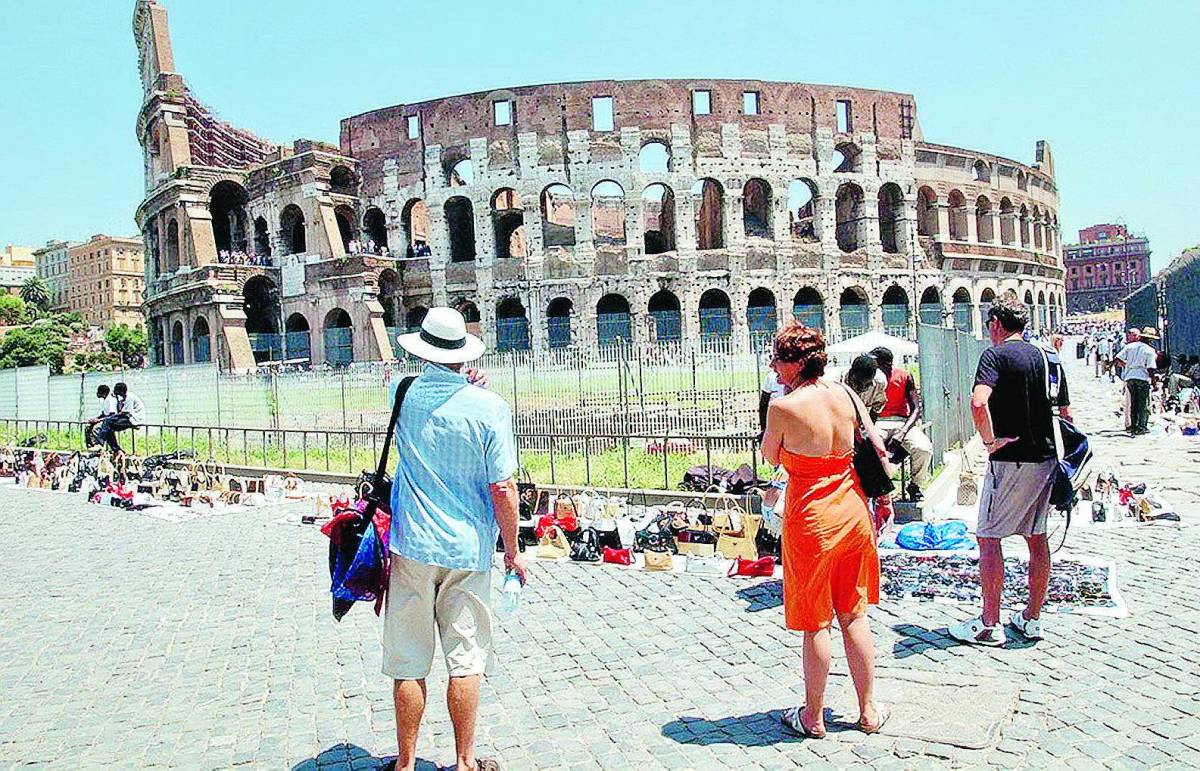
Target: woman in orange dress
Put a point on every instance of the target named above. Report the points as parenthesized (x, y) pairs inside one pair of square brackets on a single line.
[(830, 565)]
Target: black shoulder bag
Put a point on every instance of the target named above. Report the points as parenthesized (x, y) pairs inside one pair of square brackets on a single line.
[(378, 490), (867, 464)]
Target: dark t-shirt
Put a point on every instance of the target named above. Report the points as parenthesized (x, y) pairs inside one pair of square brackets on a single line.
[(1020, 405)]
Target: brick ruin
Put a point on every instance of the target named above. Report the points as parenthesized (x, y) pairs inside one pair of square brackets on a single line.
[(577, 215)]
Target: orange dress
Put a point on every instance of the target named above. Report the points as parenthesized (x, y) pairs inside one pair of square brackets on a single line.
[(830, 564)]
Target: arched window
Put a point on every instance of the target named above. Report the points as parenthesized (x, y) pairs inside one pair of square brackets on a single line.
[(708, 200), (375, 224), (262, 238), (389, 286), (891, 217), (558, 216), (927, 214), (177, 356), (756, 209), (981, 172), (958, 215), (608, 214), (808, 307), (414, 218), (346, 229), (849, 215), (961, 303), (227, 204), (512, 326), (260, 303), (930, 310), (339, 338), (1024, 216), (983, 220), (613, 325), (343, 181), (460, 173), (853, 312), (172, 246), (1008, 229), (558, 322), (158, 344), (654, 158), (802, 210), (986, 297), (460, 221), (297, 342), (1042, 312), (668, 320), (470, 312), (508, 224), (715, 321), (847, 158), (291, 230), (895, 311), (658, 219), (761, 316), (1037, 228), (1022, 181), (201, 348)]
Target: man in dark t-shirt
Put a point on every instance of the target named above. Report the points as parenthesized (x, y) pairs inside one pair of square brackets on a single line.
[(1012, 407)]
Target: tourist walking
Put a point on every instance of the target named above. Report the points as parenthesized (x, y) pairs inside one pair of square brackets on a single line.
[(453, 489), (1138, 360), (830, 565), (1011, 405), (898, 421)]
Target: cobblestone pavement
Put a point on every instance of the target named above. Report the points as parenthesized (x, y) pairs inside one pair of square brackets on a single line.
[(131, 642)]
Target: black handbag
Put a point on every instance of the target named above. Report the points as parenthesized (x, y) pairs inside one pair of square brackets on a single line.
[(656, 536), (587, 547), (868, 465)]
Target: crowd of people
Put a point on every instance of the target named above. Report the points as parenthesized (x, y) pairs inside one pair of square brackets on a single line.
[(226, 257), (1152, 380)]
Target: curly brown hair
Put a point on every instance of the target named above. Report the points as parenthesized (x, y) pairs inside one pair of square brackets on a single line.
[(798, 344)]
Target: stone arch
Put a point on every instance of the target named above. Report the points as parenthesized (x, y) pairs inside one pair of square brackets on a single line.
[(512, 325), (891, 217), (347, 227), (460, 222), (709, 204), (761, 314), (508, 224), (983, 220), (292, 233), (297, 338), (460, 173), (262, 237), (1024, 226), (931, 311), (981, 172), (613, 322), (847, 158), (558, 215), (957, 203), (849, 214), (608, 213), (986, 297), (654, 157), (1022, 180), (802, 210), (1043, 320), (658, 219), (172, 249), (375, 226), (927, 213), (716, 321), (260, 303), (664, 308), (896, 313), (177, 352), (227, 202), (756, 208), (414, 218), (961, 305), (201, 341), (853, 312), (1008, 230), (1037, 228), (342, 180), (558, 322), (339, 338), (389, 290), (808, 308)]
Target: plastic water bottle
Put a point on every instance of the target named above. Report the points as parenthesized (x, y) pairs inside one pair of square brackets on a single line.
[(510, 594)]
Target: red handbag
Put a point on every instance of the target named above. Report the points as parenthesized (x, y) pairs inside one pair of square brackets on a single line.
[(617, 556), (566, 523), (763, 567)]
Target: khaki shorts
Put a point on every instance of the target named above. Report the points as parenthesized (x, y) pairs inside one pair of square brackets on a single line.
[(425, 599), (1015, 498)]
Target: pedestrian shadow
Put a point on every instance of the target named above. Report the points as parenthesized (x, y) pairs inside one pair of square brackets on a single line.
[(757, 729), (764, 596), (351, 755), (915, 640)]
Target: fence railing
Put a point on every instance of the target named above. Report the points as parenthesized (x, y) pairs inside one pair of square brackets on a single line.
[(600, 460), (948, 359)]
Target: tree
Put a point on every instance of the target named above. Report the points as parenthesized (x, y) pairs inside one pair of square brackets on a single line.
[(35, 293), (42, 342), (12, 310), (129, 343)]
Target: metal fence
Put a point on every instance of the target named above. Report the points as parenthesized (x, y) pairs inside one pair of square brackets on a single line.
[(947, 362)]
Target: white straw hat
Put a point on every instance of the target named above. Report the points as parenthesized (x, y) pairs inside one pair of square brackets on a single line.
[(443, 339)]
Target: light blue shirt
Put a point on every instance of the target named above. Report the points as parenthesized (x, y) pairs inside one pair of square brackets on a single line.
[(452, 441)]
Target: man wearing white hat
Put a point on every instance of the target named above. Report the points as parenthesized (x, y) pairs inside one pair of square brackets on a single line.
[(452, 490), (1138, 360)]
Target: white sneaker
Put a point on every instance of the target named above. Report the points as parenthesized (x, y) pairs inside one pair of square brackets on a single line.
[(1030, 627), (974, 632)]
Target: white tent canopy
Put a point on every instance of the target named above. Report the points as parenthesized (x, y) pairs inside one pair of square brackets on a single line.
[(864, 343)]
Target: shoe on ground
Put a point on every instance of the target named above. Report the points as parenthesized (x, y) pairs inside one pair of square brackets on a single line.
[(1031, 628), (974, 632)]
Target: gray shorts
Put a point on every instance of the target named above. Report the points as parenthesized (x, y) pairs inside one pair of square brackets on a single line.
[(1015, 498)]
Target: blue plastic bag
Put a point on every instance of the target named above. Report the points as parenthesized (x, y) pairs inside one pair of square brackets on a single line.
[(360, 578), (935, 536)]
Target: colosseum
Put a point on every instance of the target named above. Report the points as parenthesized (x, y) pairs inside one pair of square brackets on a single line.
[(576, 215)]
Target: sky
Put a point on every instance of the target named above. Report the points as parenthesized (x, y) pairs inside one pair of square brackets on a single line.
[(1111, 85)]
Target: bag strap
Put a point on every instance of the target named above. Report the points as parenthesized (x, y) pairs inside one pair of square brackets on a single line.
[(854, 406), (1055, 429), (401, 392)]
